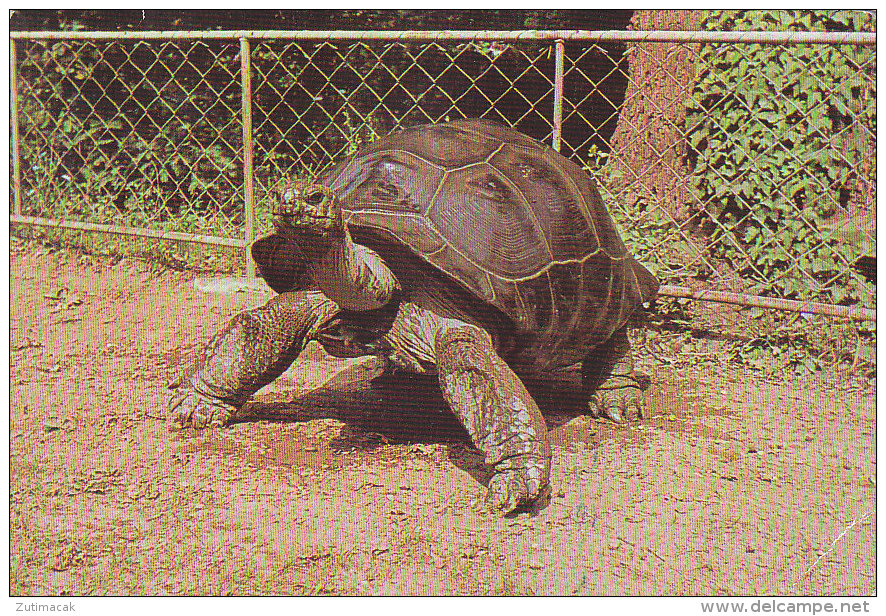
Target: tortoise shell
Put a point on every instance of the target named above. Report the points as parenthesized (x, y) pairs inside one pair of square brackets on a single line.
[(513, 222)]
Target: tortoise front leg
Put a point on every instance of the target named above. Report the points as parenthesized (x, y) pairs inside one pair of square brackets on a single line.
[(253, 349), (499, 414), (611, 381)]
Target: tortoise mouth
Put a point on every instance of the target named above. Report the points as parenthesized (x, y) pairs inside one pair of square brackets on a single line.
[(289, 210), (297, 211)]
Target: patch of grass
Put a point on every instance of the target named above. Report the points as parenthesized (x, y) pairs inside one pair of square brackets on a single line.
[(412, 536), (181, 496), (330, 559), (245, 574), (100, 580), (462, 498), (249, 579), (94, 481), (321, 588), (30, 544), (132, 585), (778, 344), (506, 588), (290, 561), (170, 557), (341, 559), (159, 254), (27, 480), (125, 561), (19, 581), (476, 547)]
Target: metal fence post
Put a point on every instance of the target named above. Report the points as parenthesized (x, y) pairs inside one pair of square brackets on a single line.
[(558, 93), (13, 112), (248, 196)]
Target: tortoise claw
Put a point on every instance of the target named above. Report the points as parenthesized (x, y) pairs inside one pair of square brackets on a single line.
[(613, 410), (510, 489), (189, 408), (620, 404)]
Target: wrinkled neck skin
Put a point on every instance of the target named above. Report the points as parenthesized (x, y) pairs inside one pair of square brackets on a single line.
[(312, 243), (353, 276)]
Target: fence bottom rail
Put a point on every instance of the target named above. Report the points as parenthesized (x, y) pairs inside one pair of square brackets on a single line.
[(177, 236), (725, 297)]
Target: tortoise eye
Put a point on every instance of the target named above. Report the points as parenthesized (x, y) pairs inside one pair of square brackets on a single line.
[(314, 198), (287, 194)]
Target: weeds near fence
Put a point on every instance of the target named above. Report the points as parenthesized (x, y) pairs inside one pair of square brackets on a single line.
[(779, 136)]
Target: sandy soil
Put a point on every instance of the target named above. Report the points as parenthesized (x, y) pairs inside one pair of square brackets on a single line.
[(737, 485)]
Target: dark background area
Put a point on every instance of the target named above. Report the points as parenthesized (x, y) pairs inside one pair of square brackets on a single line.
[(300, 19), (176, 100)]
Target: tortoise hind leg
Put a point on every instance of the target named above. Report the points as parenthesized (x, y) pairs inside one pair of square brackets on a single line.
[(499, 414), (609, 377)]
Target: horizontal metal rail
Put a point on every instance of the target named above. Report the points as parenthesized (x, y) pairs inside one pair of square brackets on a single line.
[(790, 305), (177, 236), (742, 299), (577, 36)]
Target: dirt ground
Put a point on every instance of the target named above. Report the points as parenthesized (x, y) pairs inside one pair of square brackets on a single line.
[(737, 485)]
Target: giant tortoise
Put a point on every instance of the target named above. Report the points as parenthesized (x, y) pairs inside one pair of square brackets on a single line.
[(464, 248)]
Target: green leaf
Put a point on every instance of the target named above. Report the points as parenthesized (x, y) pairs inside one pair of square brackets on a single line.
[(841, 107), (817, 122)]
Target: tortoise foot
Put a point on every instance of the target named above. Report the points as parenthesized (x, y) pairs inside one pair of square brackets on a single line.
[(618, 403), (189, 408), (511, 489)]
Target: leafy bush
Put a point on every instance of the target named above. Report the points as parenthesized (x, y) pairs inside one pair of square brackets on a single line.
[(782, 135)]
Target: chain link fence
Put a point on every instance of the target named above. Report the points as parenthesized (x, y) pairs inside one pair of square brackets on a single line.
[(737, 164)]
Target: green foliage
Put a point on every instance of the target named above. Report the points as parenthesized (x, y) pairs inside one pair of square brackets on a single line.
[(654, 239), (359, 133), (129, 134), (149, 131), (783, 134), (804, 344), (160, 254), (646, 229)]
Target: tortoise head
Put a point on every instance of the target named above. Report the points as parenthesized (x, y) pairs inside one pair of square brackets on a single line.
[(302, 203)]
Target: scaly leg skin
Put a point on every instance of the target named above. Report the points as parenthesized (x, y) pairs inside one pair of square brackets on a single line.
[(501, 417), (253, 349), (611, 377)]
